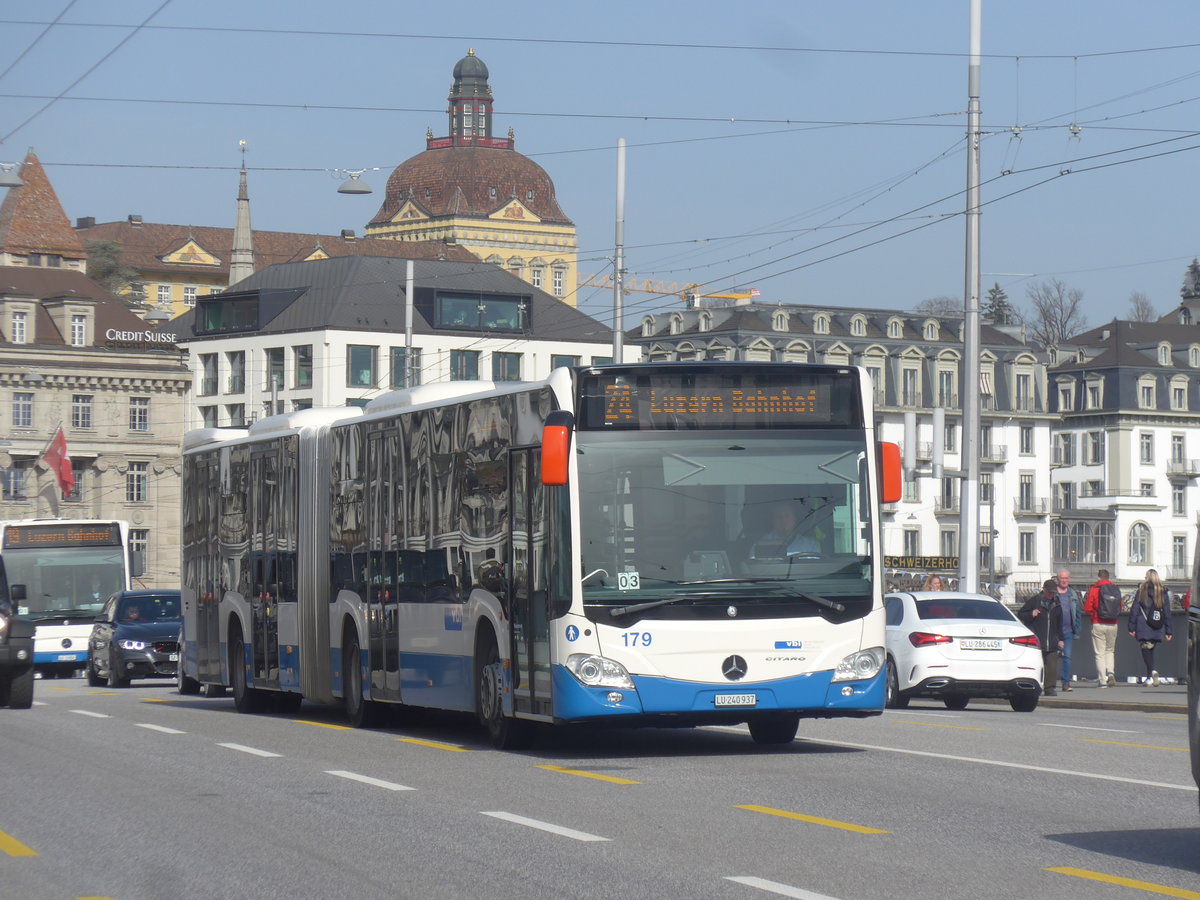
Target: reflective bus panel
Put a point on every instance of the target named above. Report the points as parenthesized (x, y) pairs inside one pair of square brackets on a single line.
[(708, 551)]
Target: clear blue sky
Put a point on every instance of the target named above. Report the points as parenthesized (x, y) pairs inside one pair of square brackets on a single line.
[(762, 136)]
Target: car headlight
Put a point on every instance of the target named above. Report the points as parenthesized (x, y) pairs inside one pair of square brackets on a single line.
[(3, 623), (599, 671), (133, 645), (860, 666)]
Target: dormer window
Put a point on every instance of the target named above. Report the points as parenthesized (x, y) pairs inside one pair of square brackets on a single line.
[(705, 321), (676, 323), (1080, 356), (931, 331), (895, 328), (821, 323), (647, 326), (1164, 354), (858, 326), (491, 193), (779, 321), (1194, 356)]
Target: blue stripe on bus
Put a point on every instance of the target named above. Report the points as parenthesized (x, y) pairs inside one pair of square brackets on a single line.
[(654, 696), (437, 680)]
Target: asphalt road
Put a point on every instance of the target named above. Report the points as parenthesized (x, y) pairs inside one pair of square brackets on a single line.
[(142, 793)]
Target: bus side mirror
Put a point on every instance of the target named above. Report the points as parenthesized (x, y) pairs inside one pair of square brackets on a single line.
[(556, 447), (891, 474)]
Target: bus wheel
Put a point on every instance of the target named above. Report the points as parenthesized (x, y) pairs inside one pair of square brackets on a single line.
[(245, 698), (361, 712), (506, 733), (20, 690), (774, 728), (184, 683)]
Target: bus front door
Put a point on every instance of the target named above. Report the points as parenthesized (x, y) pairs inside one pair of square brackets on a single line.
[(528, 568)]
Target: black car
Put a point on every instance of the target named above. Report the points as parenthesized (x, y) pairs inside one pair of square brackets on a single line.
[(135, 636)]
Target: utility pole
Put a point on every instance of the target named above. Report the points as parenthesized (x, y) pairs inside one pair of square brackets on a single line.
[(408, 324), (968, 528), (618, 326)]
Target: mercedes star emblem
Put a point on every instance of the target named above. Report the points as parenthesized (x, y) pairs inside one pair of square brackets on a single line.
[(734, 668)]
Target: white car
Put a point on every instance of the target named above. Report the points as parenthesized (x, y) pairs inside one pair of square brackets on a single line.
[(953, 646)]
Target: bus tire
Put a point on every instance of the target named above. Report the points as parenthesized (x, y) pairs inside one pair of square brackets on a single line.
[(774, 728), (506, 733), (245, 698), (185, 684), (115, 680), (361, 712)]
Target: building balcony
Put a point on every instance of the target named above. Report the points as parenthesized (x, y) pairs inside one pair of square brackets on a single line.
[(946, 506), (925, 450), (237, 384), (1183, 468), (889, 509), (1031, 506), (208, 385), (910, 400), (993, 455), (947, 401)]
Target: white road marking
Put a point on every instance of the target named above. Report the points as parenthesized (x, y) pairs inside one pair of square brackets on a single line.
[(367, 779), (163, 728), (1007, 765), (774, 887), (546, 826), (40, 703), (253, 751), (921, 712), (88, 712), (1088, 728)]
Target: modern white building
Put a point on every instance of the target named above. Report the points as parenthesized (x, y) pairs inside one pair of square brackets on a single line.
[(333, 332)]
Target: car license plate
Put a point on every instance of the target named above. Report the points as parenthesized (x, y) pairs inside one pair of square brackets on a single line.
[(978, 644), (174, 657), (737, 699)]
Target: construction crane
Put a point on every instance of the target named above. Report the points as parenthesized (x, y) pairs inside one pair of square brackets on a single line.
[(690, 294)]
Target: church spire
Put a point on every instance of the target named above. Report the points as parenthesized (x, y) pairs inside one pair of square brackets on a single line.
[(241, 260)]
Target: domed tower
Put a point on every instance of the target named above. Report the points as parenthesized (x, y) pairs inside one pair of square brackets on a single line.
[(474, 189)]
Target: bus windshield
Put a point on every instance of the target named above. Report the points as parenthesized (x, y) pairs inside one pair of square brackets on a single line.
[(724, 516), (65, 581)]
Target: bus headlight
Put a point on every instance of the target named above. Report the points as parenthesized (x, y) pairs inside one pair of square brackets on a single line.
[(599, 671), (860, 666), (133, 645)]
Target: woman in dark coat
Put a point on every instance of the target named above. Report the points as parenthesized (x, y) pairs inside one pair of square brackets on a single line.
[(1150, 620)]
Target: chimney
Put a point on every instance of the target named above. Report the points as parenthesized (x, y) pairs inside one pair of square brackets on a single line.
[(135, 221), (85, 221), (347, 234)]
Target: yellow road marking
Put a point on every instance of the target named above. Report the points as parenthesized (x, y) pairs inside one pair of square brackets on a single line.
[(13, 847), (609, 778), (323, 725), (1148, 886), (154, 700), (940, 725), (436, 745), (55, 687), (815, 820), (97, 693), (1139, 746)]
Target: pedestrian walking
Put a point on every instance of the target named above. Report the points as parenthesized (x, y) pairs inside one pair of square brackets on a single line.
[(1072, 622), (1103, 606), (1042, 614), (1150, 621)]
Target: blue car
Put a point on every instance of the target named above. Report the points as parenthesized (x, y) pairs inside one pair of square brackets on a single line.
[(135, 636)]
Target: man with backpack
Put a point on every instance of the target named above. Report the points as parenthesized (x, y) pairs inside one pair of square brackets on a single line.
[(1103, 605)]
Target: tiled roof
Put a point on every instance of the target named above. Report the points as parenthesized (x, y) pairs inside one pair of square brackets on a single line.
[(143, 245), (45, 284), (470, 181), (32, 220)]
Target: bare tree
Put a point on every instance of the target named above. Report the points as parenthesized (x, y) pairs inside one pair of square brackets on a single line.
[(1057, 312), (942, 307), (1141, 309)]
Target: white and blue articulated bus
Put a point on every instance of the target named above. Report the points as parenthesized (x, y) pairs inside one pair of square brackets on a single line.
[(648, 544), (67, 568)]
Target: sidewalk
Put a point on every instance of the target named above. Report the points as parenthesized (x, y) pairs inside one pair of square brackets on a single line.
[(1169, 698)]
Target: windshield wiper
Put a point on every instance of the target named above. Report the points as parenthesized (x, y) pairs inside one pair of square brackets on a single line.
[(650, 604)]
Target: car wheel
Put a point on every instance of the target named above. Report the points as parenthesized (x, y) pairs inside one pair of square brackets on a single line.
[(506, 733), (115, 679), (245, 698), (895, 700), (94, 678), (184, 683), (1023, 702), (776, 728), (20, 690), (956, 702)]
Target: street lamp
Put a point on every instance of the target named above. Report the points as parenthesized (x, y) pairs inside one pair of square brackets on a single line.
[(353, 184), (9, 178)]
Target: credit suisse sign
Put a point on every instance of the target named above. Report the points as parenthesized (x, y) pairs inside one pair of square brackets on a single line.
[(115, 337)]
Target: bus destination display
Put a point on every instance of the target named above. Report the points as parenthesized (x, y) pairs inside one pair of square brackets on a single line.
[(669, 402), (90, 535)]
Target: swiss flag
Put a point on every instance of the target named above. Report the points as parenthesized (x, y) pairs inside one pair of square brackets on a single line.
[(59, 462)]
